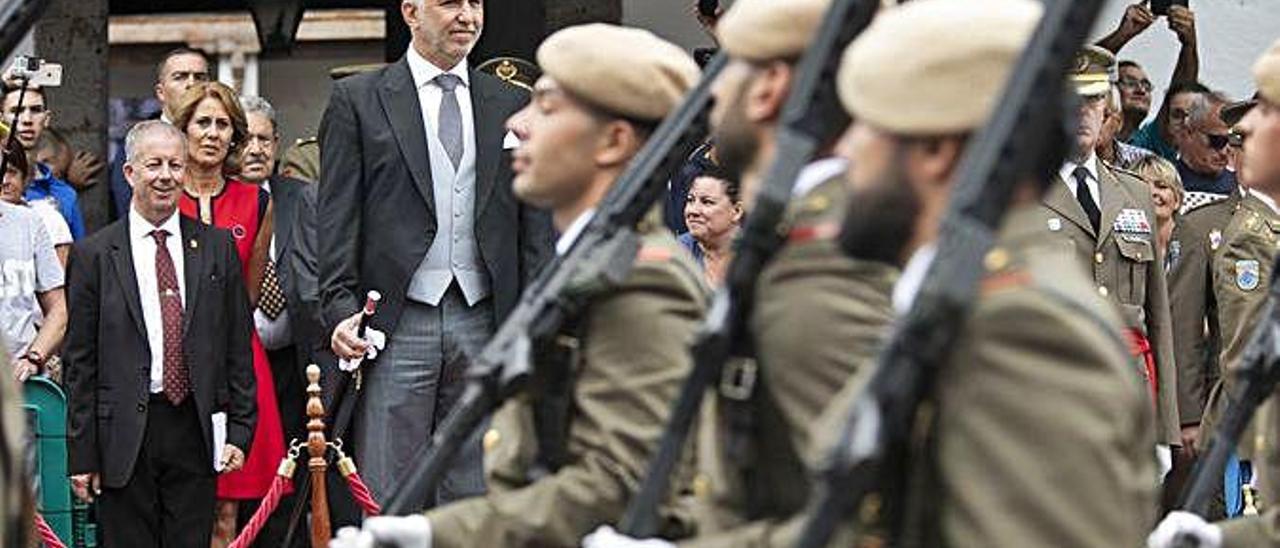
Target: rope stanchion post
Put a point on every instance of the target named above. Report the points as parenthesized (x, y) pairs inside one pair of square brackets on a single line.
[(279, 484), (359, 491), (316, 446)]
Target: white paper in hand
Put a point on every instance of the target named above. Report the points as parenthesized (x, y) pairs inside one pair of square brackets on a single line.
[(219, 422), (377, 341)]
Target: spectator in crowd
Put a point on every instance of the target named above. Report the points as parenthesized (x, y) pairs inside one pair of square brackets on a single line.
[(1135, 86), (1161, 134), (32, 120), (1202, 147), (156, 288), (702, 159), (286, 318), (77, 168), (33, 309), (56, 227), (216, 130), (416, 202), (1166, 194), (713, 212), (178, 70), (1111, 148)]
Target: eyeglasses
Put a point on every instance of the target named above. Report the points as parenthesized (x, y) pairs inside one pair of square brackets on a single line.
[(1216, 141), (1133, 83)]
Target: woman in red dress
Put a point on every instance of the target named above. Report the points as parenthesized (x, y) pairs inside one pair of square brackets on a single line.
[(210, 114)]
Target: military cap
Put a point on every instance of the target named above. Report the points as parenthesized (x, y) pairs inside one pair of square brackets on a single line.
[(338, 73), (512, 70), (629, 72), (764, 30), (1234, 112), (1266, 72), (1092, 71), (932, 67)]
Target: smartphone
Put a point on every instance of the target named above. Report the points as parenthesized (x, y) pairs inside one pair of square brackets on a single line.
[(708, 8), (35, 71), (1161, 7)]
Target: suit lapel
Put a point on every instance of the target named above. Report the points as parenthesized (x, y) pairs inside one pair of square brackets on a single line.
[(399, 100), (122, 261), (1113, 200), (192, 268), (489, 130), (282, 202), (1059, 199)]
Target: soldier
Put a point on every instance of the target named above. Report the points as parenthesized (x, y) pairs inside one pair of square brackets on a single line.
[(1260, 171), (302, 160), (1109, 217), (512, 70), (819, 316), (622, 359)]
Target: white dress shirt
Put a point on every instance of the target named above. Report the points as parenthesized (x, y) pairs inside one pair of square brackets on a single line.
[(1067, 173), (143, 245), (430, 95), (574, 230), (908, 286)]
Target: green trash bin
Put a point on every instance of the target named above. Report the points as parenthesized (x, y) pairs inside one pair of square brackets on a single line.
[(45, 407)]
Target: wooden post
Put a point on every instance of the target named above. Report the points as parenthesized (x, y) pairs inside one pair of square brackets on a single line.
[(316, 446)]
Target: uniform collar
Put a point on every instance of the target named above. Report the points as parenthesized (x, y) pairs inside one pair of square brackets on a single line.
[(424, 72), (1271, 203), (1090, 164), (575, 229)]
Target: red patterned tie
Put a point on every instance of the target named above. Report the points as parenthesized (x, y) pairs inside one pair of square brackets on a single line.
[(176, 382)]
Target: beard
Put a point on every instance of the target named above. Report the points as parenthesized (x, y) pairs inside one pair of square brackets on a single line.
[(880, 220)]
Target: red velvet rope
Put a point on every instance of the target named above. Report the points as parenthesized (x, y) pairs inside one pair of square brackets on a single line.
[(362, 495), (279, 485), (47, 535)]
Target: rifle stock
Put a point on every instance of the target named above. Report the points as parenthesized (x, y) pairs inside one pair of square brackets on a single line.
[(601, 256), (1022, 140), (811, 116)]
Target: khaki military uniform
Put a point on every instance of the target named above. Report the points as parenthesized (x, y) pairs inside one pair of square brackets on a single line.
[(302, 160), (1197, 339), (1242, 274), (1262, 529), (1127, 268), (819, 318), (628, 356)]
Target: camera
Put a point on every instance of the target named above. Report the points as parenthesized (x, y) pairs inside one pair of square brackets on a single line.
[(35, 71)]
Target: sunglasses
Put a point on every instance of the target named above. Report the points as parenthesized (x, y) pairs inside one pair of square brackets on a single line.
[(1217, 142)]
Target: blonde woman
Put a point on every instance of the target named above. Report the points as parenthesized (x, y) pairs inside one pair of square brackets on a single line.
[(1166, 192)]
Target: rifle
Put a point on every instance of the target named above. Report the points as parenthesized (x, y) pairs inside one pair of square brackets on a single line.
[(602, 254), (1257, 377), (1026, 139), (811, 116)]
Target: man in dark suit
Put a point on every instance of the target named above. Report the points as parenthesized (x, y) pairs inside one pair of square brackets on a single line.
[(158, 362), (416, 202)]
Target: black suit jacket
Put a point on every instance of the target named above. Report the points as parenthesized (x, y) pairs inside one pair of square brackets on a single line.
[(376, 204), (107, 358)]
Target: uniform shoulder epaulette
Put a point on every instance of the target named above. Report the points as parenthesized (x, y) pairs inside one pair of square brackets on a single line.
[(649, 253), (1117, 170), (812, 232), (816, 215), (304, 141), (1003, 273), (1195, 200)]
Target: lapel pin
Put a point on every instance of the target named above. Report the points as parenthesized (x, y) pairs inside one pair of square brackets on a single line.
[(1055, 224)]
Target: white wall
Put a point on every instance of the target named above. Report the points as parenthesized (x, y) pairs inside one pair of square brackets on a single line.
[(1232, 34)]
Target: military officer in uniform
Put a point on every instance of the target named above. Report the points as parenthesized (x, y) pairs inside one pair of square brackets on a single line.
[(622, 360), (818, 316), (302, 160), (1260, 171), (1108, 216), (1040, 432)]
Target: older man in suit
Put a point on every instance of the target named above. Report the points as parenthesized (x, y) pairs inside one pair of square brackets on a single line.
[(416, 202), (158, 365)]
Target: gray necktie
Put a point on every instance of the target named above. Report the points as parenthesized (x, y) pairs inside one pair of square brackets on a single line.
[(450, 131)]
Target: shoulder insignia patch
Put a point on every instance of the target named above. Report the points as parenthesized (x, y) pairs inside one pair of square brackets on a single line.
[(1248, 274), (1005, 281), (1215, 239), (653, 254), (807, 233)]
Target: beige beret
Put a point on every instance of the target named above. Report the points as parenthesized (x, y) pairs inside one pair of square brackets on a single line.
[(1266, 72), (933, 67), (626, 71), (764, 30)]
